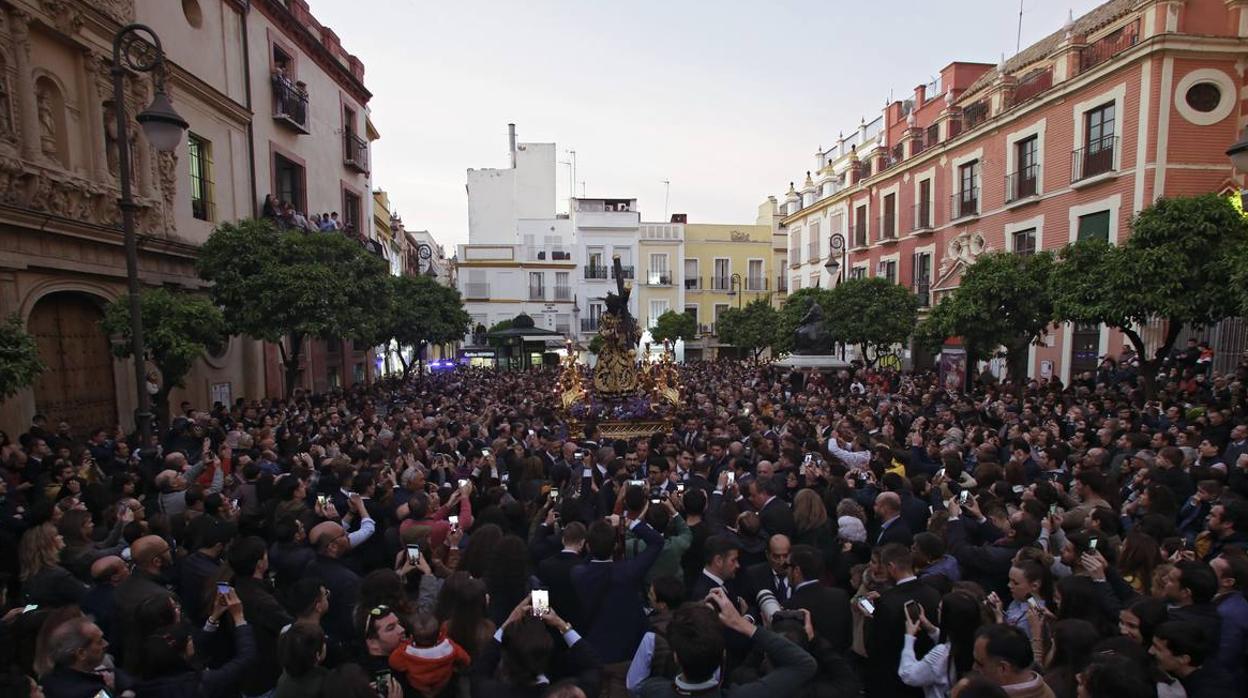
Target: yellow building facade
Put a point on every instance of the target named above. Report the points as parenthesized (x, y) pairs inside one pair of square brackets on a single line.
[(724, 266)]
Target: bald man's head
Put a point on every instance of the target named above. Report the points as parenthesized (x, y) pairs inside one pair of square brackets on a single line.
[(151, 553), (329, 538), (887, 505), (110, 569)]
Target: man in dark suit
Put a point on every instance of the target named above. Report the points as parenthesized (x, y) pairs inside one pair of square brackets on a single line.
[(609, 593), (556, 573), (893, 528), (886, 631), (773, 512), (828, 606), (771, 575), (722, 556)]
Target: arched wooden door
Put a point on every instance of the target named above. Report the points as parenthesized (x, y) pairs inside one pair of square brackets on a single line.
[(78, 385)]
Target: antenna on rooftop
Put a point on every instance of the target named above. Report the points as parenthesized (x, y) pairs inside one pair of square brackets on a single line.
[(1018, 43), (667, 192)]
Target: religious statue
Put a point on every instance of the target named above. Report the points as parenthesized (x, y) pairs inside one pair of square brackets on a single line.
[(47, 123), (616, 370), (6, 117), (110, 140), (811, 336)]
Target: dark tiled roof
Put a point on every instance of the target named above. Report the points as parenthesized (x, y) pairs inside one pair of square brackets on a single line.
[(1088, 23)]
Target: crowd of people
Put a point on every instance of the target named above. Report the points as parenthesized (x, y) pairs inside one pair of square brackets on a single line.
[(789, 535), (285, 216)]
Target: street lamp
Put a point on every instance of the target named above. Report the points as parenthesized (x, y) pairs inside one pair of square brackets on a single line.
[(1239, 158), (834, 265), (425, 252), (137, 48), (734, 284)]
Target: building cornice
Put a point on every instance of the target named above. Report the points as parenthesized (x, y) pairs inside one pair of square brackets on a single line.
[(1145, 49), (282, 17)]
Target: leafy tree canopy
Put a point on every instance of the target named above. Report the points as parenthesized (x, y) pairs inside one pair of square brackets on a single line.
[(790, 315), (871, 313), (673, 325), (751, 329), (20, 364)]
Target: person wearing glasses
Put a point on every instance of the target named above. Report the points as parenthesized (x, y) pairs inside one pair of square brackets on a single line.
[(383, 632)]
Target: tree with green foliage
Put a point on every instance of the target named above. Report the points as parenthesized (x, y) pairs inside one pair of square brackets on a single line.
[(177, 329), (790, 315), (873, 314), (20, 364), (1003, 300), (291, 285), (751, 329), (673, 325), (1178, 265), (422, 313)]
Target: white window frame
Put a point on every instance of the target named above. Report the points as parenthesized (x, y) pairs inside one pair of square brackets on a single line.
[(1037, 129), (928, 175), (1118, 95), (895, 258), (654, 317), (1011, 228), (1112, 203), (727, 276), (762, 262), (955, 175), (895, 190)]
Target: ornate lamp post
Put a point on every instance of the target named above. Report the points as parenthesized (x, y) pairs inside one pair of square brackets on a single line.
[(834, 265), (735, 288), (137, 48), (425, 252)]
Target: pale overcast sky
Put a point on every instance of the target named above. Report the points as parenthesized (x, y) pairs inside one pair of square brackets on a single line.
[(727, 99)]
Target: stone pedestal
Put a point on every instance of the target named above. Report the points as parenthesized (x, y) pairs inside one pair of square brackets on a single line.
[(813, 362)]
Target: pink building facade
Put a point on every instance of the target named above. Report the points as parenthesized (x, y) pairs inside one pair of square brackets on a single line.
[(1135, 101)]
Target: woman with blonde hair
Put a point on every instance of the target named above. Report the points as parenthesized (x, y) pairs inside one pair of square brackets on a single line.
[(44, 581)]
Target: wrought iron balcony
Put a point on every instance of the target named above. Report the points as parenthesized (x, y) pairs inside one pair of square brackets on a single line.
[(1022, 184), (598, 273), (1094, 159), (964, 204), (924, 216), (354, 152), (290, 104)]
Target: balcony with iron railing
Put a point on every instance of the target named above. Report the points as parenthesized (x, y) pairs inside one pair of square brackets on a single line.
[(595, 273), (354, 152), (1109, 46), (590, 324), (931, 138), (887, 226), (782, 284), (563, 293), (626, 272), (924, 216), (1096, 158), (922, 289), (974, 114), (1023, 184), (706, 328), (964, 204), (860, 233), (477, 291), (721, 283), (756, 283), (1032, 85), (693, 283), (658, 278), (290, 104), (537, 293)]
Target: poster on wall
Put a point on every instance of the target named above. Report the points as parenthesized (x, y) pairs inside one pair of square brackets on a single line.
[(953, 369), (221, 393), (1046, 369)]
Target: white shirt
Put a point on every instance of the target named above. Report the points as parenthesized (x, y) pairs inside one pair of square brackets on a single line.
[(854, 460)]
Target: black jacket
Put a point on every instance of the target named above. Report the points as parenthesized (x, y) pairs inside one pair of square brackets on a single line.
[(792, 667), (896, 532), (64, 682), (267, 617), (579, 663), (556, 573), (829, 613), (344, 589), (885, 636), (610, 598), (210, 683), (987, 564), (777, 518)]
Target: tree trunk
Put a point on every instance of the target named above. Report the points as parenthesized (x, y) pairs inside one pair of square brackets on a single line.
[(1016, 366), (290, 361), (160, 408), (407, 367), (1149, 366)]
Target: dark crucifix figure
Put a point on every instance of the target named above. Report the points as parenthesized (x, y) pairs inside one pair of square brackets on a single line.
[(617, 305)]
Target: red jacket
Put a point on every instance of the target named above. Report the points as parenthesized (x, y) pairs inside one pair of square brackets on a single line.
[(429, 669)]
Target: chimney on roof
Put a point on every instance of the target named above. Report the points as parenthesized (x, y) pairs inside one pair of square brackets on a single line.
[(511, 140)]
